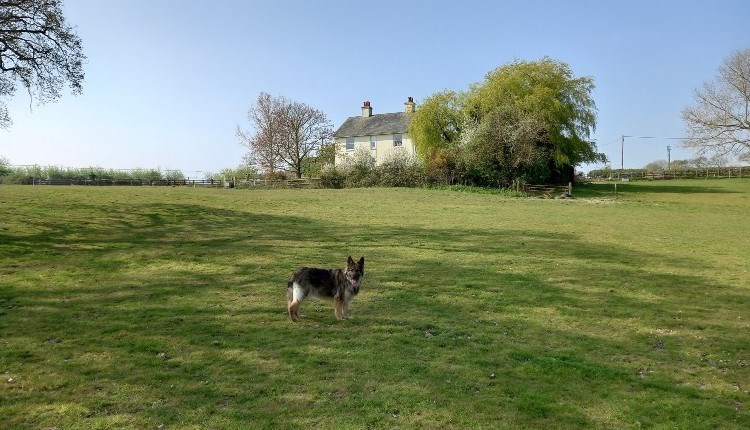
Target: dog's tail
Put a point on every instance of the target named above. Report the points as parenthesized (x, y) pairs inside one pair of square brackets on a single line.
[(289, 288)]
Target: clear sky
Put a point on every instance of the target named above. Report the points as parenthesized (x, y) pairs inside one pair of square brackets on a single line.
[(168, 81)]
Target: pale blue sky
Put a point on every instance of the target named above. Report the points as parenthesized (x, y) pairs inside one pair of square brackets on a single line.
[(168, 81)]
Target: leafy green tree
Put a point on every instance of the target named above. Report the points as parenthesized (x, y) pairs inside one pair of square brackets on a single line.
[(547, 91), (241, 172), (524, 120), (4, 166), (679, 164), (503, 148), (325, 156), (657, 166), (436, 125)]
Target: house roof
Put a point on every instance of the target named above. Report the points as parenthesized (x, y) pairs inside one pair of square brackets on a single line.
[(384, 123)]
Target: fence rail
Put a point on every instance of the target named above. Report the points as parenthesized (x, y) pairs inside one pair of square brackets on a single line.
[(279, 183), (548, 191), (124, 182), (209, 183), (694, 173)]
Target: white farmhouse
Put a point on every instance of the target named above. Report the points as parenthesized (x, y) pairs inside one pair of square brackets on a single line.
[(383, 135)]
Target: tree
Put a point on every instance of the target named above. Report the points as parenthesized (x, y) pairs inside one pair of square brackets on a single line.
[(719, 120), (306, 128), (325, 156), (546, 91), (503, 148), (38, 51), (4, 166), (658, 165), (286, 134), (524, 120), (264, 142), (437, 124)]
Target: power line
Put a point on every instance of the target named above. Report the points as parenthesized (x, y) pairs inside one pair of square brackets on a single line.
[(622, 144), (659, 137)]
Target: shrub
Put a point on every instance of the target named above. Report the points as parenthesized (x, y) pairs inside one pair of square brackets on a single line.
[(400, 170), (332, 177), (275, 176)]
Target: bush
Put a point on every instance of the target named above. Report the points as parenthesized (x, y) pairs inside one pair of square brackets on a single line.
[(275, 176), (332, 177), (400, 170), (15, 178), (359, 170)]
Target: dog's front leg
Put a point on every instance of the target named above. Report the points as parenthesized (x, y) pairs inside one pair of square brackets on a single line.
[(339, 308)]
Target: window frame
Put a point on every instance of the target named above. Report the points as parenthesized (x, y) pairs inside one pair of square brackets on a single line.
[(398, 142), (348, 141), (373, 143)]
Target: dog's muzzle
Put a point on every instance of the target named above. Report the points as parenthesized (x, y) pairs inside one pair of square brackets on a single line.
[(354, 283)]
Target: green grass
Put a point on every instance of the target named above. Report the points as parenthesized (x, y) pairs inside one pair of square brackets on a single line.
[(141, 307)]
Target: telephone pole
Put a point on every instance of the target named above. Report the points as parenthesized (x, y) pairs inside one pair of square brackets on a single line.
[(669, 156)]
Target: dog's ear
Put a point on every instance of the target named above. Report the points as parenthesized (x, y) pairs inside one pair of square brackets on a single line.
[(350, 261), (362, 262)]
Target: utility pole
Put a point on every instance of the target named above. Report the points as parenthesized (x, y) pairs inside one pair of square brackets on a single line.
[(669, 156)]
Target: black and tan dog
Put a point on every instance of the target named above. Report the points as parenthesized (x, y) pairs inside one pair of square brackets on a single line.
[(339, 285)]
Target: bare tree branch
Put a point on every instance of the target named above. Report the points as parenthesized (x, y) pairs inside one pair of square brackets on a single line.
[(285, 134), (719, 120), (39, 51)]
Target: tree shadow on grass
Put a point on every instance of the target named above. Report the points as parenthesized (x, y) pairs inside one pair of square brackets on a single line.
[(174, 314)]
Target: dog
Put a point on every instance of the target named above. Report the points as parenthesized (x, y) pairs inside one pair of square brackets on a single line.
[(338, 285)]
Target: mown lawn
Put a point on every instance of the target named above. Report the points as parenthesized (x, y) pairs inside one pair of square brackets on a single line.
[(147, 307)]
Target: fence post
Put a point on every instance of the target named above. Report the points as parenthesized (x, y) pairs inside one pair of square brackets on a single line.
[(570, 188)]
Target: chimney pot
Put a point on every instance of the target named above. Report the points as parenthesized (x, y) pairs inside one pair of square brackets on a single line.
[(410, 106), (366, 109)]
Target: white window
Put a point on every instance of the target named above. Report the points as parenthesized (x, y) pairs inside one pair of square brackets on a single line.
[(396, 140), (373, 142), (350, 144)]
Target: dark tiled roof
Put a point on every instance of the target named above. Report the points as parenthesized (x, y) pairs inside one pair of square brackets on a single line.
[(384, 123)]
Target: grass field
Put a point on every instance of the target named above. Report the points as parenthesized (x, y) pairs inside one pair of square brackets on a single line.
[(147, 308)]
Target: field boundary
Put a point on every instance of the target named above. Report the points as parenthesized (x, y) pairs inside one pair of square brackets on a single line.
[(204, 183), (692, 173)]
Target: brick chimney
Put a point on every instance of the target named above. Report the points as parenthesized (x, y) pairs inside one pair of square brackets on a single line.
[(410, 106), (366, 110)]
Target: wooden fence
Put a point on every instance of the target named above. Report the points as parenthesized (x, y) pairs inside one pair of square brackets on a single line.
[(695, 173), (209, 183), (549, 191), (126, 182), (280, 183)]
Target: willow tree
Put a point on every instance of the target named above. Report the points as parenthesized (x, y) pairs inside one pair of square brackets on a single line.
[(437, 124), (522, 119), (547, 93)]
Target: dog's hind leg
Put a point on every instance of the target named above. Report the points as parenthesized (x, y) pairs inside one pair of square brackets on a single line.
[(295, 295)]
